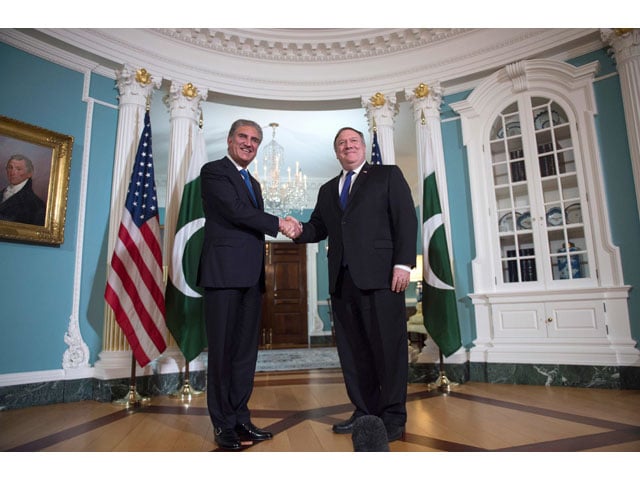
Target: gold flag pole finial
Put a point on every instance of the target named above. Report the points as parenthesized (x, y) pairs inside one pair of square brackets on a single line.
[(143, 77), (377, 100), (621, 31), (421, 90), (189, 90)]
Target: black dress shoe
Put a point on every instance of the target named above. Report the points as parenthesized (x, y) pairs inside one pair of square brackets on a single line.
[(346, 426), (248, 431), (394, 432), (226, 438)]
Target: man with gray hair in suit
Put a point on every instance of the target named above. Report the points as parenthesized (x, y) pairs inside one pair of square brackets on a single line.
[(18, 202)]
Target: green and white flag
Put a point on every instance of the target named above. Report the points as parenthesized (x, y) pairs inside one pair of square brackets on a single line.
[(439, 307), (183, 299)]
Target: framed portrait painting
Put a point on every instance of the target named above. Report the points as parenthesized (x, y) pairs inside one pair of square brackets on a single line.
[(34, 182)]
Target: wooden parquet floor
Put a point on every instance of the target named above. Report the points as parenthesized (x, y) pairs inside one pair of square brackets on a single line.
[(300, 407)]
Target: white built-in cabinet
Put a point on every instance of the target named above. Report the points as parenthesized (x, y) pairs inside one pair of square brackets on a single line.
[(548, 284)]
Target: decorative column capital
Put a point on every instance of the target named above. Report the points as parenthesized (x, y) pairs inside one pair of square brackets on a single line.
[(625, 43), (381, 109), (425, 100), (183, 100), (135, 85)]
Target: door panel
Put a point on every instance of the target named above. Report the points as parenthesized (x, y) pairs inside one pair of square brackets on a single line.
[(284, 312)]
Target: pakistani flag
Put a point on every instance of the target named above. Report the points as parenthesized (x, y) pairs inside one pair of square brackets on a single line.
[(439, 307), (183, 299)]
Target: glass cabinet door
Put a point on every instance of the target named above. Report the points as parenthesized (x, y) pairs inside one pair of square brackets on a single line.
[(534, 176)]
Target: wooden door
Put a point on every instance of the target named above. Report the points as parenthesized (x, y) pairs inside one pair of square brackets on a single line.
[(284, 307)]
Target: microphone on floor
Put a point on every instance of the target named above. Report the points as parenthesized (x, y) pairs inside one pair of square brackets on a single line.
[(369, 435)]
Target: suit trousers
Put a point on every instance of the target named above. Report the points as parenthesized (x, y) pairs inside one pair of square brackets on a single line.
[(371, 337), (233, 326)]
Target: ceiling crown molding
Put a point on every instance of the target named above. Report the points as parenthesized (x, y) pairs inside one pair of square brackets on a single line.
[(315, 65), (310, 45)]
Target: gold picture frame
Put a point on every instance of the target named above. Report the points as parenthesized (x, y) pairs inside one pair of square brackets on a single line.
[(49, 153)]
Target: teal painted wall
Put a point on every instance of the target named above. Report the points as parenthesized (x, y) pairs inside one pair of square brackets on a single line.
[(462, 240), (37, 292)]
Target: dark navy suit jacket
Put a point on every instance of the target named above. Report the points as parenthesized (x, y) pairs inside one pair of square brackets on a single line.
[(376, 231), (233, 249), (24, 207)]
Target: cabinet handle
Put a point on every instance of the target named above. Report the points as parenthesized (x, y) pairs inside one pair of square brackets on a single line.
[(549, 320), (264, 338)]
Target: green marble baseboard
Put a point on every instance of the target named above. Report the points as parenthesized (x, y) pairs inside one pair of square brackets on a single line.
[(66, 391), (586, 376), (321, 341)]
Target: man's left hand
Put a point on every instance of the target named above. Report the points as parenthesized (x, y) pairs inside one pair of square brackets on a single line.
[(400, 280)]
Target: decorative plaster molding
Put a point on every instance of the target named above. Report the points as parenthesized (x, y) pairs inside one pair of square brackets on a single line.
[(625, 43), (133, 88), (184, 100), (381, 109), (310, 45), (77, 355), (321, 64)]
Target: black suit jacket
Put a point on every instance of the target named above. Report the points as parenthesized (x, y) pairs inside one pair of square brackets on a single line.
[(376, 231), (24, 206), (233, 248)]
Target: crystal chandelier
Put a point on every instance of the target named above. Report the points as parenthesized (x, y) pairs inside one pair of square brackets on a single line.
[(282, 195)]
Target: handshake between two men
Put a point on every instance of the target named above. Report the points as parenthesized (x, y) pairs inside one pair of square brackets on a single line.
[(290, 227)]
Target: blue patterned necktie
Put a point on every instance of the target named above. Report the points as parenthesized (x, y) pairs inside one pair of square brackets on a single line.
[(344, 194), (247, 181)]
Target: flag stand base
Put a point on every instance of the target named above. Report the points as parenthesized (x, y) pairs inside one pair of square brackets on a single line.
[(132, 399), (442, 384), (185, 393)]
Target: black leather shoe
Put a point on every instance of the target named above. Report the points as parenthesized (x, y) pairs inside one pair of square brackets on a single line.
[(394, 432), (248, 431), (346, 426), (226, 438)]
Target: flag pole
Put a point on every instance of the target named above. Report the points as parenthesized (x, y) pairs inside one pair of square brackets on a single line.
[(185, 393), (133, 398), (442, 384)]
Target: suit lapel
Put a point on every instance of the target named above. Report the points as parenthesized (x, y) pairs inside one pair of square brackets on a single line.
[(258, 191), (236, 178), (333, 187)]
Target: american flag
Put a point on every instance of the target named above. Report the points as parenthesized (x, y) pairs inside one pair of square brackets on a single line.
[(376, 156), (135, 289)]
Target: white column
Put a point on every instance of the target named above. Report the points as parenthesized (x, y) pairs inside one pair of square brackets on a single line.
[(425, 101), (626, 46), (183, 102), (381, 114), (134, 87)]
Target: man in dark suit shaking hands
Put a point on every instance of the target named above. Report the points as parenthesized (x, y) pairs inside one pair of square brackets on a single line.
[(231, 272), (372, 229)]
